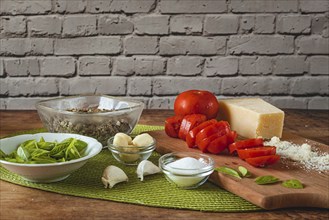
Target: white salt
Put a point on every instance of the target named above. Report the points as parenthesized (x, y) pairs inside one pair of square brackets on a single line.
[(301, 153)]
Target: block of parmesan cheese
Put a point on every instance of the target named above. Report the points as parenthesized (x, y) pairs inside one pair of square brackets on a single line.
[(252, 117)]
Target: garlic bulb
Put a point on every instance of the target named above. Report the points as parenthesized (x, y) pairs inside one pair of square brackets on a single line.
[(113, 175), (145, 168), (143, 140)]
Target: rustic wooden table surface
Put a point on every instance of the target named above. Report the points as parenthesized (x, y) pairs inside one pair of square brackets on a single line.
[(17, 202)]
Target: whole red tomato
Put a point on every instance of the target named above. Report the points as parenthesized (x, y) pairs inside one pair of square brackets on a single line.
[(196, 102)]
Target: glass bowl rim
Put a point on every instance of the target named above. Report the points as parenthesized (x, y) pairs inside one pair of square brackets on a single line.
[(138, 104), (209, 166)]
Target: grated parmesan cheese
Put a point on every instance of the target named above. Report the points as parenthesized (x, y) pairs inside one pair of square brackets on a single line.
[(300, 153)]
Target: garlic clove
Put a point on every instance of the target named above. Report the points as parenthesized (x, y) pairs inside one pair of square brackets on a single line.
[(143, 140), (113, 175), (145, 168), (121, 139)]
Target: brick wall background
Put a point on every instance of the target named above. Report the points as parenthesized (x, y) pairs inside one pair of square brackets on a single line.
[(151, 50)]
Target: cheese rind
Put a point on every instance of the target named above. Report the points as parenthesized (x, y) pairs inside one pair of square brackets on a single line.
[(252, 117)]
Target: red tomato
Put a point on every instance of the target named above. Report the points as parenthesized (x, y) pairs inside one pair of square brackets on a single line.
[(218, 145), (196, 102), (256, 152), (212, 129), (203, 143), (190, 137), (263, 161), (188, 123), (172, 125), (249, 143)]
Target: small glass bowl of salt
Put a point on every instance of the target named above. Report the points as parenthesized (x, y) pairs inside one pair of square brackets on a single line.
[(186, 170)]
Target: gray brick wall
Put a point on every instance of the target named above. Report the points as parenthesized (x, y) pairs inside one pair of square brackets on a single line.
[(151, 50)]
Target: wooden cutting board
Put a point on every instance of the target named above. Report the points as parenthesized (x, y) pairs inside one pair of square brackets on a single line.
[(316, 184)]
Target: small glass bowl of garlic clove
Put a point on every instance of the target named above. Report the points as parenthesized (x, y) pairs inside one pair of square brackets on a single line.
[(131, 151)]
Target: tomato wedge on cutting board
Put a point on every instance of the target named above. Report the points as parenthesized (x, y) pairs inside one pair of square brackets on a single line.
[(249, 143), (188, 123), (191, 136), (263, 161), (256, 152), (172, 125)]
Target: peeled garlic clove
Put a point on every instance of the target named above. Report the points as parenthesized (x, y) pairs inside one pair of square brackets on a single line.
[(113, 175), (145, 168), (143, 140), (121, 139)]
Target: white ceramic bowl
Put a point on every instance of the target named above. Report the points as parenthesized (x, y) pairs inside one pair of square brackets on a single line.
[(51, 172)]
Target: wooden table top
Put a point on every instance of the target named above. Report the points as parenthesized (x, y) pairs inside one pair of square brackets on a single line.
[(22, 202)]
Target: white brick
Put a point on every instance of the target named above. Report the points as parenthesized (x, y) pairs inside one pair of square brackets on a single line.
[(16, 7), (44, 25), (319, 103), (4, 87), (255, 65), (22, 66), (88, 45), (289, 65), (141, 86), (319, 65), (310, 86), (312, 45), (261, 6), (88, 85), (127, 6), (185, 66), (289, 102), (152, 25), (141, 45), (222, 24), (264, 24), (161, 103), (294, 24), (255, 86), (177, 45), (123, 66), (260, 44), (186, 24), (150, 65), (69, 6), (192, 6), (28, 86), (12, 26), (57, 66), (2, 72), (79, 25), (26, 103), (221, 66), (175, 85), (3, 103), (94, 66), (308, 6), (320, 25), (247, 24), (25, 46), (114, 24), (141, 6)]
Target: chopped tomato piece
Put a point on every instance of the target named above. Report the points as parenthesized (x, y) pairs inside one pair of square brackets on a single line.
[(263, 160), (256, 152), (190, 137), (249, 143), (218, 145), (188, 123), (203, 144), (172, 125), (212, 129)]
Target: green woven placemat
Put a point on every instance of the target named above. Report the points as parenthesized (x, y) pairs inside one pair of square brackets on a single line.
[(155, 190)]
